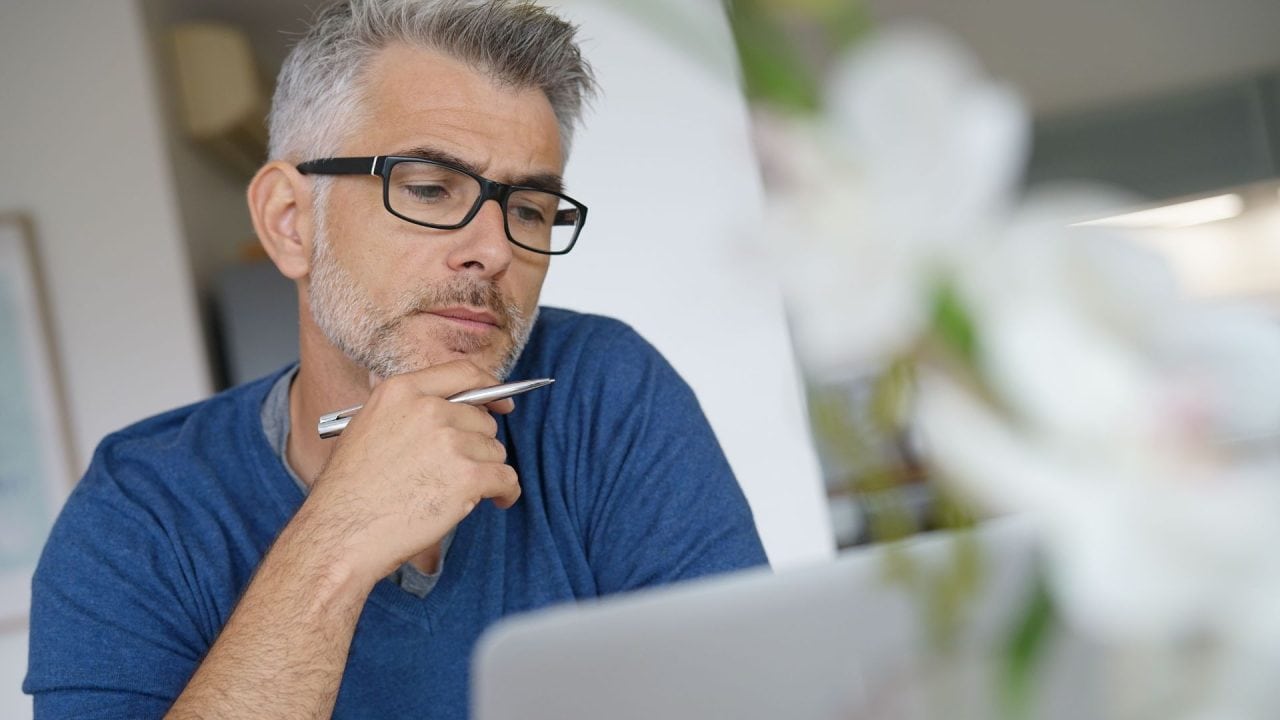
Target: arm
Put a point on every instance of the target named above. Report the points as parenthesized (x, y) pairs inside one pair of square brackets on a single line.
[(283, 651), (407, 469), (120, 625)]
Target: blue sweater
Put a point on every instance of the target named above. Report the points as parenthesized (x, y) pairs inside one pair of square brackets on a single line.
[(624, 486)]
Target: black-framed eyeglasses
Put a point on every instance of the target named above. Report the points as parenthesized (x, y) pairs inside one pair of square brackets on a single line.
[(439, 195)]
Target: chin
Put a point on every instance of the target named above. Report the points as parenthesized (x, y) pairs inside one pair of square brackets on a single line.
[(417, 348), (414, 362)]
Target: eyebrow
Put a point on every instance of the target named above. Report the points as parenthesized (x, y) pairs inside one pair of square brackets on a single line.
[(551, 182)]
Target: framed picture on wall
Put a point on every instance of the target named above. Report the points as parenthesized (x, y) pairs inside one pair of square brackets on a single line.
[(35, 460)]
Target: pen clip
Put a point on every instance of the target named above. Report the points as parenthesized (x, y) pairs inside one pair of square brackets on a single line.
[(338, 415), (332, 424)]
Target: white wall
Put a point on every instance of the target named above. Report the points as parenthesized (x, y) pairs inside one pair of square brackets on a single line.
[(666, 166), (83, 156)]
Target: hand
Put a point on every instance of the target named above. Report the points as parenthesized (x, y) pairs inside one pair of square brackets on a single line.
[(410, 467)]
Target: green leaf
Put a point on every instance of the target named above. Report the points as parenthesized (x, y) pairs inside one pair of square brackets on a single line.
[(1026, 648), (953, 325), (773, 71)]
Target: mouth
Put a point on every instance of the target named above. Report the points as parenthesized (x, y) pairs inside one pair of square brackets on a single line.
[(476, 320)]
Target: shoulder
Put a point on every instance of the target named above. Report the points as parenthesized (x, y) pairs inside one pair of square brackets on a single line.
[(565, 329), (166, 469), (161, 499), (635, 461), (153, 522), (613, 388), (591, 349), (203, 429)]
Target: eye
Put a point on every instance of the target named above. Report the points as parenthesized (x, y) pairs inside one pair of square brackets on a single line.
[(528, 215), (427, 193)]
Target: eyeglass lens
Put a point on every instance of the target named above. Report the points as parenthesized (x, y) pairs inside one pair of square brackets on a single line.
[(437, 195)]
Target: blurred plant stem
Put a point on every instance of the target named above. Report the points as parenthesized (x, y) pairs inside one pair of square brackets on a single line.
[(1026, 648)]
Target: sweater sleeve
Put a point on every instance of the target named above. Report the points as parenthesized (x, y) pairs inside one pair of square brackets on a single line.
[(113, 632), (664, 505)]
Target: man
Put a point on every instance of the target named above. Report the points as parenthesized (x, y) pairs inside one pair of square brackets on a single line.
[(223, 560)]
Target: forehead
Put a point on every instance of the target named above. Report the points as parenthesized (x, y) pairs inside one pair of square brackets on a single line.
[(419, 98)]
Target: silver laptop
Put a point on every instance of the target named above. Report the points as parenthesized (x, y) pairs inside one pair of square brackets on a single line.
[(842, 640)]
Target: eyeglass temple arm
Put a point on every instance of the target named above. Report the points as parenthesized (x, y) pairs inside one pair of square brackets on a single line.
[(568, 216), (342, 166)]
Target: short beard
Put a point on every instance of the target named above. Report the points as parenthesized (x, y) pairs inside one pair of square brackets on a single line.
[(373, 338)]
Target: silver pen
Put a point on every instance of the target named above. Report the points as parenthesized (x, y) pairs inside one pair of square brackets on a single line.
[(332, 424)]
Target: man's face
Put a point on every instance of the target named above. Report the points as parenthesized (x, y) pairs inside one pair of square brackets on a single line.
[(397, 297)]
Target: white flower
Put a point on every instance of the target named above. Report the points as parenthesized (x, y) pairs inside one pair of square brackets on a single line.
[(1139, 427), (1233, 355), (870, 206), (1059, 311), (1140, 545), (941, 145)]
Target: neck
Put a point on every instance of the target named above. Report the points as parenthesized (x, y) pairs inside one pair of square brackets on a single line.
[(326, 381)]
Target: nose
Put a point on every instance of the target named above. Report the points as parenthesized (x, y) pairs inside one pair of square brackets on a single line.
[(481, 246)]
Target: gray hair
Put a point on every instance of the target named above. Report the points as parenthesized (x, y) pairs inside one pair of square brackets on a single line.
[(318, 98)]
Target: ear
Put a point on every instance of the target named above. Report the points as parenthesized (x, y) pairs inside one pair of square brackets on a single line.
[(283, 216)]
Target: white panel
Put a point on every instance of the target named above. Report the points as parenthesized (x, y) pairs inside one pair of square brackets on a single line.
[(84, 158), (666, 167), (13, 667), (84, 149)]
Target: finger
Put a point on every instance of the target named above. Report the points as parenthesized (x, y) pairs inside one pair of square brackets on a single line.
[(480, 448), (502, 486), (501, 407), (437, 411), (443, 380)]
